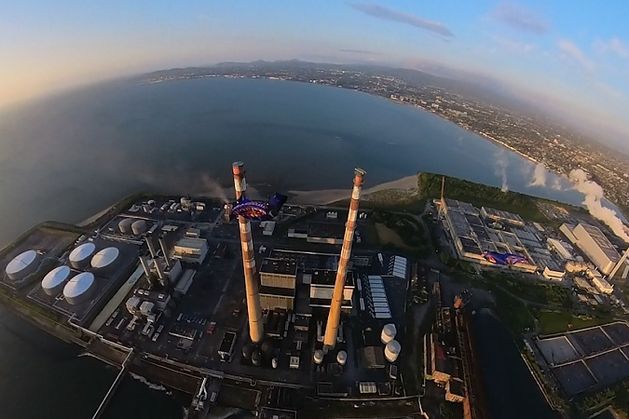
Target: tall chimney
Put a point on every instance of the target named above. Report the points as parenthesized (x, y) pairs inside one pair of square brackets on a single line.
[(145, 266), (332, 326), (254, 311)]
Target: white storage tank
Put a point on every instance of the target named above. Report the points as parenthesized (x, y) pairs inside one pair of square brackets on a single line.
[(318, 356), (22, 265), (341, 357), (388, 333), (125, 225), (79, 288), (392, 350), (105, 258), (53, 282), (81, 254), (138, 227)]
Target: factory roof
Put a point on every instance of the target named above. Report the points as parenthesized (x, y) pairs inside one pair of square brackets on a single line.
[(601, 240), (20, 262), (192, 242), (326, 277), (279, 266), (78, 285), (332, 230)]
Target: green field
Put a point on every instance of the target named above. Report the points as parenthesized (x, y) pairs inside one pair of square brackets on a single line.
[(560, 321)]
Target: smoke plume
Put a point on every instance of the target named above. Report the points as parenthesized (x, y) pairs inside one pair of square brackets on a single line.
[(593, 196), (501, 168), (539, 175)]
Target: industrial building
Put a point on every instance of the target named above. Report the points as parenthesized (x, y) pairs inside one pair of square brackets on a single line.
[(476, 231), (193, 250), (596, 247), (278, 281)]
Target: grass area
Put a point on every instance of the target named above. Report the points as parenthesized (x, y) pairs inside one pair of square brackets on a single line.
[(480, 195), (559, 321), (536, 292), (401, 231)]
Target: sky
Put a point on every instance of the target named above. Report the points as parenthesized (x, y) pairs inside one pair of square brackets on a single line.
[(573, 56)]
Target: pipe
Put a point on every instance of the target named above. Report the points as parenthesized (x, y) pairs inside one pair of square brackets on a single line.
[(151, 247), (334, 316), (147, 271), (621, 262), (162, 245), (254, 311)]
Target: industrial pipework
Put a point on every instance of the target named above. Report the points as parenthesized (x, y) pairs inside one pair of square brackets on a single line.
[(256, 331), (334, 316)]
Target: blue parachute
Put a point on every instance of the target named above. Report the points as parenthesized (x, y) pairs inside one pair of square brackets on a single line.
[(504, 258), (258, 210)]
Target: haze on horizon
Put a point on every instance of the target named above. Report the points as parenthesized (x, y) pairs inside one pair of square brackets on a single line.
[(572, 58)]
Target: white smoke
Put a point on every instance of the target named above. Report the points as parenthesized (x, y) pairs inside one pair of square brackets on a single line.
[(539, 176), (593, 196), (211, 187), (557, 184), (502, 162)]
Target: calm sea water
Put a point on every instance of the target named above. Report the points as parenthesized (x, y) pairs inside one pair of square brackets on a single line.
[(67, 157)]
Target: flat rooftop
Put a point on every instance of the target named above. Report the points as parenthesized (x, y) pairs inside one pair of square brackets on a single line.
[(279, 266)]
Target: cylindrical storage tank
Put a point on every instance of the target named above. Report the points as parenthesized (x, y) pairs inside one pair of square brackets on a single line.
[(392, 350), (105, 258), (81, 254), (79, 288), (256, 358), (341, 357), (53, 282), (274, 363), (138, 227), (388, 333), (22, 265), (125, 225), (318, 356)]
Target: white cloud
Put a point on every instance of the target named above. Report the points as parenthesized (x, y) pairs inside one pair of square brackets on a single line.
[(520, 18), (613, 46), (382, 12), (572, 51)]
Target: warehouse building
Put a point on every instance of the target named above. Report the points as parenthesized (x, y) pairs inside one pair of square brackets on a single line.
[(593, 243)]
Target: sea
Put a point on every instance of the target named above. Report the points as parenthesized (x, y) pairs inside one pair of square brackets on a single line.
[(68, 156)]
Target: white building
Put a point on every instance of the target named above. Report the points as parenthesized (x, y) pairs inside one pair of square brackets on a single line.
[(602, 286), (191, 249), (596, 247)]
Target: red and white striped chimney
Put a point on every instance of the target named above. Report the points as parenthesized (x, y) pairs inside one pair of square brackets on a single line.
[(254, 311), (332, 326)]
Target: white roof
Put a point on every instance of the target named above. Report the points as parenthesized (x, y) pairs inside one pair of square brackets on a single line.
[(21, 261), (78, 285), (55, 277), (105, 257), (82, 252)]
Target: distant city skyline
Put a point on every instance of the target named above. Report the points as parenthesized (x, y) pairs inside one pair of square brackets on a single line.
[(572, 57)]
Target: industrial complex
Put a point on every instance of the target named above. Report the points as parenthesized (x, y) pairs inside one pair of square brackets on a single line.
[(160, 289)]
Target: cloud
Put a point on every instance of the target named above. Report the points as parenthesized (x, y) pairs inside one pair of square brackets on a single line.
[(570, 50), (514, 46), (359, 51), (520, 18), (614, 46), (385, 13)]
